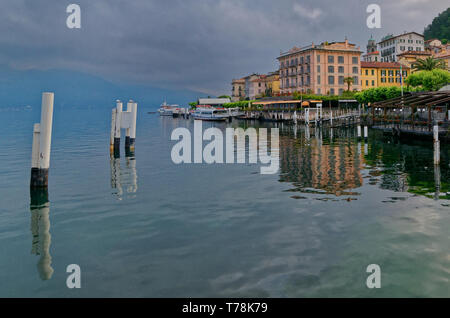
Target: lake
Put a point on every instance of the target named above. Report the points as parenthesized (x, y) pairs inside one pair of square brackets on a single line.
[(141, 226)]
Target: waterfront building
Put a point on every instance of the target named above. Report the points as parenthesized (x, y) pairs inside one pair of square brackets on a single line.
[(410, 57), (238, 89), (215, 102), (391, 46), (444, 55), (320, 69), (272, 84), (255, 85), (381, 74), (372, 55)]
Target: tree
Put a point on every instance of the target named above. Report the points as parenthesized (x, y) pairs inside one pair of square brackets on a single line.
[(439, 28), (428, 64), (225, 96), (349, 81), (429, 80)]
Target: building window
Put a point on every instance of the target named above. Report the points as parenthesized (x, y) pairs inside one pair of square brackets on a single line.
[(331, 80), (331, 91), (318, 58), (330, 59), (318, 68), (373, 72), (391, 73), (354, 60), (319, 91), (341, 91), (373, 83), (330, 69), (355, 70), (355, 80), (341, 69), (367, 72), (341, 80), (383, 72), (340, 59), (383, 80), (367, 82), (318, 79)]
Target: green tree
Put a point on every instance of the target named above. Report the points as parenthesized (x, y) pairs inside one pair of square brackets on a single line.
[(429, 80), (439, 28), (349, 81), (428, 64), (224, 96)]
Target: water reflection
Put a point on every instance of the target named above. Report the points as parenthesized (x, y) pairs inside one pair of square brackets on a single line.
[(333, 161), (124, 178), (40, 230), (317, 165)]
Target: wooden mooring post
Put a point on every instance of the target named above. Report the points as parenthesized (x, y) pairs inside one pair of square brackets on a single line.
[(437, 155), (42, 139)]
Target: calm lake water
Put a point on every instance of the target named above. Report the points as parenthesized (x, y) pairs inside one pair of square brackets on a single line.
[(144, 227)]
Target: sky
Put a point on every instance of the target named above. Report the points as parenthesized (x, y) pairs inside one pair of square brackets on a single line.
[(198, 45)]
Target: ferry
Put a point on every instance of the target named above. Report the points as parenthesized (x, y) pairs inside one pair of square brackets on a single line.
[(169, 110), (211, 113)]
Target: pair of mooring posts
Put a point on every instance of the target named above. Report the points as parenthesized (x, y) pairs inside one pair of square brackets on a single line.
[(366, 132), (123, 120), (42, 137)]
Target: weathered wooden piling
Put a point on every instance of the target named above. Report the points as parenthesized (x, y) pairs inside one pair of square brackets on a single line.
[(436, 143), (42, 138)]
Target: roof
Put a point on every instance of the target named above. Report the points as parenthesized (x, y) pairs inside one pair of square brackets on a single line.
[(381, 65), (213, 101), (396, 36), (373, 53), (414, 53)]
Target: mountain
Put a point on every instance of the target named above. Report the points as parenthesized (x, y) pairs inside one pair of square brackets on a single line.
[(439, 28), (75, 89)]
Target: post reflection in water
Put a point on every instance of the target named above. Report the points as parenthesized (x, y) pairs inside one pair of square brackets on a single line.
[(124, 178), (336, 162), (40, 230)]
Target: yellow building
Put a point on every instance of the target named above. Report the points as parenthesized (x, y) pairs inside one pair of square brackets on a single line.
[(380, 74), (410, 57), (273, 83)]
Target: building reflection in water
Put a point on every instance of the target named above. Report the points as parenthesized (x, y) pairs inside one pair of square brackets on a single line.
[(124, 180), (40, 230), (317, 164)]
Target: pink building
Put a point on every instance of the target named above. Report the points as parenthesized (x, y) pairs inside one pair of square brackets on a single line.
[(320, 69)]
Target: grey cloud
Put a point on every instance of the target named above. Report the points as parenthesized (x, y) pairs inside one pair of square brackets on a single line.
[(195, 44)]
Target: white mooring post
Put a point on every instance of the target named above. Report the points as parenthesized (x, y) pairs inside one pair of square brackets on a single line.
[(42, 139), (366, 132), (437, 155), (358, 129), (295, 117), (307, 116), (331, 118), (123, 120)]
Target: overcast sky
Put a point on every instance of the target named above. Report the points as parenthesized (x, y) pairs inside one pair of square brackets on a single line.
[(190, 44)]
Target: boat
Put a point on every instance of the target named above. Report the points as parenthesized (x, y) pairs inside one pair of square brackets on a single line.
[(211, 113), (169, 110)]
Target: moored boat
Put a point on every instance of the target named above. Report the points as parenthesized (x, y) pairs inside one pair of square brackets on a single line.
[(211, 114)]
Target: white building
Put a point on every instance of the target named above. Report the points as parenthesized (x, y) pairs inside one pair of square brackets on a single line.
[(390, 46)]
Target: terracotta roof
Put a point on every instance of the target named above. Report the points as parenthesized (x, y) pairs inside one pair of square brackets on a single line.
[(414, 53), (382, 65), (372, 53), (396, 36)]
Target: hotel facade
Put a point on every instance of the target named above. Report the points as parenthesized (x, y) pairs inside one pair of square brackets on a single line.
[(391, 46), (382, 74), (320, 69)]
